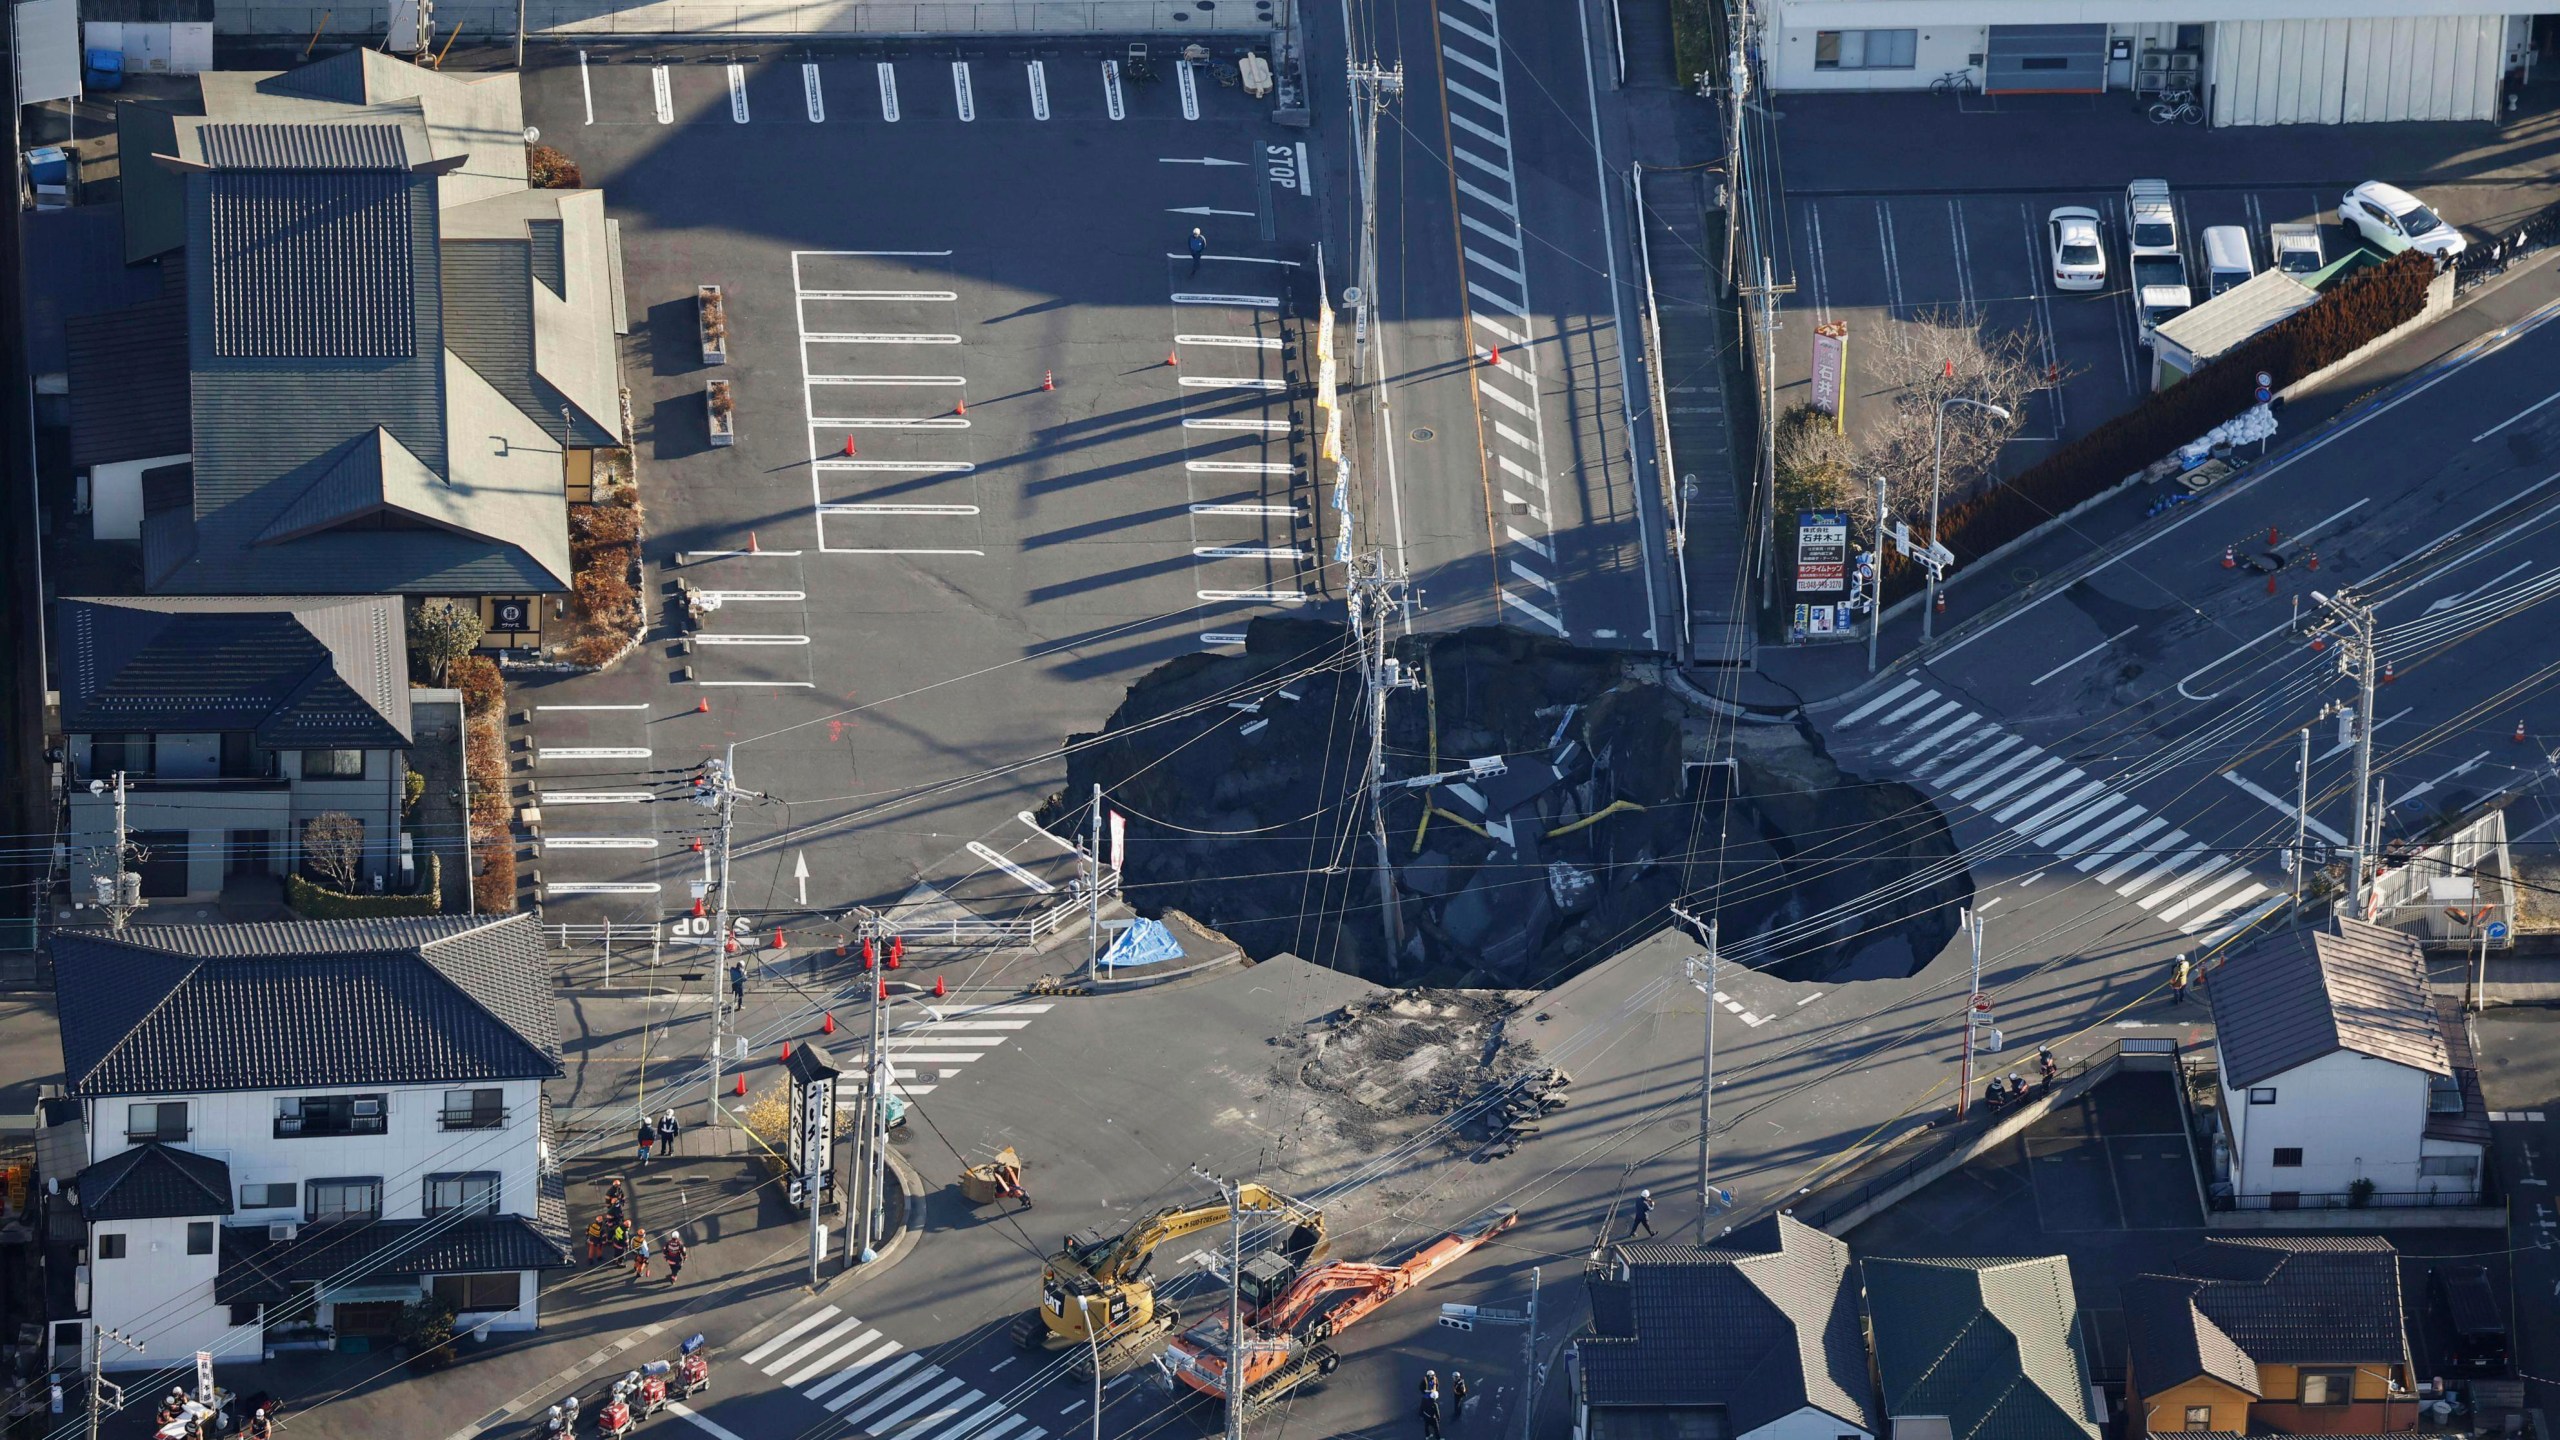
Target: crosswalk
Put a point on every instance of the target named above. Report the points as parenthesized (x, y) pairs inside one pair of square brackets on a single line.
[(1494, 268), (923, 1053), (2059, 809), (880, 1387)]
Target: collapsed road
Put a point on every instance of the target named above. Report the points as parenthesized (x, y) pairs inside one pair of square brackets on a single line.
[(1544, 805)]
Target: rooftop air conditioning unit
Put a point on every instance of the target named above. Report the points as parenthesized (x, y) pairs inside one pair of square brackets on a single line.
[(283, 1230)]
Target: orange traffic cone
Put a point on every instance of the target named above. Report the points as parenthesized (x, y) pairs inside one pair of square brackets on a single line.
[(2271, 584), (786, 1049), (839, 949), (2312, 559), (697, 847), (960, 406), (2274, 535), (1493, 356), (866, 952), (697, 907), (828, 1026), (848, 446), (1172, 358), (730, 945), (2387, 675), (1951, 369), (884, 989), (938, 990), (777, 938), (742, 1086), (1048, 379), (702, 706), (2519, 731), (753, 548), (2230, 560)]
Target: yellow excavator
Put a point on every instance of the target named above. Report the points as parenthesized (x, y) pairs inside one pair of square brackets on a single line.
[(1095, 1294)]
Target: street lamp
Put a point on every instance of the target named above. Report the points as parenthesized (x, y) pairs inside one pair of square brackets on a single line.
[(1937, 476)]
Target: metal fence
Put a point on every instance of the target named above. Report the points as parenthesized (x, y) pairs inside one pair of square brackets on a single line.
[(2349, 1200), (2532, 235), (973, 932)]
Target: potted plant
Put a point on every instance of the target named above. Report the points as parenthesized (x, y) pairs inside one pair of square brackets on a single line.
[(715, 324), (724, 421)]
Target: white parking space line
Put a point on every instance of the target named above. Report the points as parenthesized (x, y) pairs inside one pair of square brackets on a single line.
[(664, 97), (2281, 806), (888, 380), (1271, 597), (2083, 655), (1257, 302), (752, 597), (748, 640), (888, 92), (1038, 75), (1190, 90), (597, 887), (590, 707), (864, 422), (904, 467), (849, 507), (1226, 259), (1267, 427), (1231, 382), (1242, 342), (875, 337), (1111, 89), (586, 87), (759, 684), (592, 752), (998, 859), (592, 797), (1238, 467), (808, 295), (599, 842), (738, 93), (963, 90)]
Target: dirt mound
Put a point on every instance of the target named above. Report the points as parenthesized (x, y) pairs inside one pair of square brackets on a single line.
[(1389, 1068)]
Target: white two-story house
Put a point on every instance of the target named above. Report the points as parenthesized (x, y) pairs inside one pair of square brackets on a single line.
[(291, 1130), (2338, 1066), (235, 723)]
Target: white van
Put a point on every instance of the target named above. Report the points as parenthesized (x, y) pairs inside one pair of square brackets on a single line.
[(2226, 258)]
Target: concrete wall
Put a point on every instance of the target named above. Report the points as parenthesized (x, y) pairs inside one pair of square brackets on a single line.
[(2411, 66), (162, 1296), (115, 490), (2352, 1116)]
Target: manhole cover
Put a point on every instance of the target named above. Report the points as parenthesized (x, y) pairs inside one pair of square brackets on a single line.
[(1422, 432), (2024, 575)]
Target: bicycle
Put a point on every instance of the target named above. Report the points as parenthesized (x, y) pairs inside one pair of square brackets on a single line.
[(1955, 82), (2177, 105)]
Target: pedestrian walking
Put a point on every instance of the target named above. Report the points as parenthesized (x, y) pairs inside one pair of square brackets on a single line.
[(647, 1136), (595, 1240), (1199, 248), (1458, 1395), (1430, 1384), (1430, 1417), (1644, 1215), (737, 982), (2178, 974), (640, 1255), (675, 1253), (667, 1131)]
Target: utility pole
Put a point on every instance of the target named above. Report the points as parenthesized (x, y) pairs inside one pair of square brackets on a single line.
[(1529, 1360), (1973, 1006), (119, 891), (1768, 434), (716, 789), (1369, 607), (1379, 85), (875, 1128), (2356, 661), (2301, 812), (1093, 895), (1093, 1356), (99, 1336), (1235, 1304), (1875, 600), (1702, 974)]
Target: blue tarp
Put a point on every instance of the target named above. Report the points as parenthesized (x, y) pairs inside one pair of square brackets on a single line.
[(1145, 942)]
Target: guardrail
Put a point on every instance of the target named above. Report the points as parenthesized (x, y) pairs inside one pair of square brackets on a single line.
[(2373, 1200), (970, 932)]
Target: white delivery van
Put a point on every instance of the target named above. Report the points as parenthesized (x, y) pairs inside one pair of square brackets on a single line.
[(2226, 258)]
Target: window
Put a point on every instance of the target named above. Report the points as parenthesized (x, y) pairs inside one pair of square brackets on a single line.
[(474, 1192), (1865, 49), (2044, 62), (2262, 1095), (160, 1120), (2199, 1417), (132, 754), (332, 764), (480, 1292), (199, 1237), (355, 1199), (269, 1197), (475, 1109), (2328, 1387), (245, 1314), (111, 1247), (329, 1115), (2288, 1157), (2455, 1167), (2444, 1095), (242, 759)]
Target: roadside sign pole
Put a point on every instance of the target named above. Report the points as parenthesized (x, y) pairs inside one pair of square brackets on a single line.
[(1972, 1008), (1875, 602)]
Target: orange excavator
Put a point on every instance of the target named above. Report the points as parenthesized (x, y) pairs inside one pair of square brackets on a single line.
[(1287, 1335)]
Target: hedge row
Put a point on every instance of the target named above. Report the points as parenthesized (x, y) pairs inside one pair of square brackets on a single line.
[(2357, 310), (317, 902)]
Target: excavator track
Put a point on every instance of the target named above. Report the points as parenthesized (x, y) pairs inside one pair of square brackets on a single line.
[(1318, 1361), (1119, 1354)]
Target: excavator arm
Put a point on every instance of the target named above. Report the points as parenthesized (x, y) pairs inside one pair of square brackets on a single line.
[(1176, 1221)]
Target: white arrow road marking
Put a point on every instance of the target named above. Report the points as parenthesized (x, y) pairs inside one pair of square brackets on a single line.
[(1203, 210), (585, 88), (738, 93), (2449, 601), (1039, 89), (1203, 160), (888, 92), (800, 875), (1111, 89), (664, 98), (816, 94), (2283, 806)]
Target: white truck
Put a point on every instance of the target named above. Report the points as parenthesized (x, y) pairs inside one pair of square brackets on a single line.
[(2296, 248), (2159, 290)]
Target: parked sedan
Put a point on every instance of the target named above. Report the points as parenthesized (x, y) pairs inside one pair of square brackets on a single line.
[(2395, 220), (2079, 251)]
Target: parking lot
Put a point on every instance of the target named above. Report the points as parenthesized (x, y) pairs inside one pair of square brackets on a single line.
[(1900, 204), (1002, 445)]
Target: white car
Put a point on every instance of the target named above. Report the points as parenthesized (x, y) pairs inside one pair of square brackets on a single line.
[(2151, 220), (2395, 220), (2079, 249)]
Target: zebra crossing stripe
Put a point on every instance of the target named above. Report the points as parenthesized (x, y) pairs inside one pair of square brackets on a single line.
[(2081, 818), (894, 1368), (868, 1339), (1929, 737), (2030, 799), (2124, 845), (2024, 755), (924, 1426), (1896, 718), (2201, 894), (2217, 868), (2161, 873), (874, 1361), (2023, 779), (810, 1347), (924, 1375), (2166, 845), (2075, 803), (915, 1406), (1998, 748), (1878, 703), (787, 1336)]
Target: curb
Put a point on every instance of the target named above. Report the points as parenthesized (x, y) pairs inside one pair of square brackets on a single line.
[(2045, 589)]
